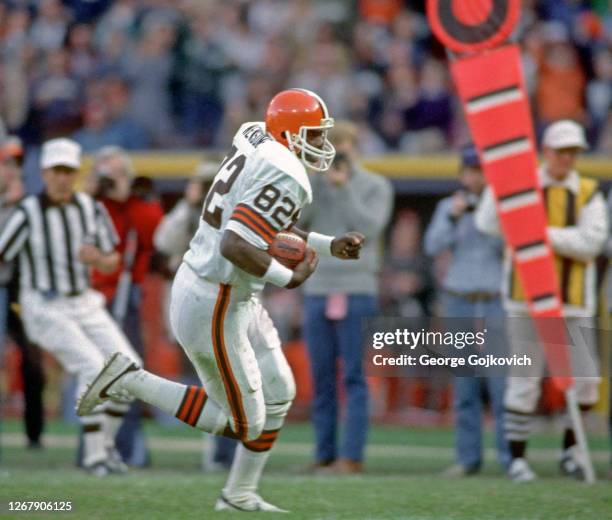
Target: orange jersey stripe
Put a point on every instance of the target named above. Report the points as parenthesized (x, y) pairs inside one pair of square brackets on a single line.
[(253, 227), (262, 230), (256, 219), (260, 219)]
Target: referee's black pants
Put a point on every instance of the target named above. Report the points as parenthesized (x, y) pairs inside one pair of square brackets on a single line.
[(31, 370)]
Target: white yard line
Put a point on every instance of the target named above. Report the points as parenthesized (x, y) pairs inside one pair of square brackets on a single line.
[(13, 440)]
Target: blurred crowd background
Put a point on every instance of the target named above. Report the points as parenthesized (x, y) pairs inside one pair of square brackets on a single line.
[(184, 74)]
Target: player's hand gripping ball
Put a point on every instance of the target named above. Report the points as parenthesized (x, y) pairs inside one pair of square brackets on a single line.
[(288, 248)]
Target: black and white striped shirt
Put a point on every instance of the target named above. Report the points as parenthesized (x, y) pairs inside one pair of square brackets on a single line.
[(48, 236)]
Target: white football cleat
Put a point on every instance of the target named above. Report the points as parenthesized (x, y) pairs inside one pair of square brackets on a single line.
[(247, 504), (100, 388), (99, 469), (115, 462), (573, 463), (520, 471)]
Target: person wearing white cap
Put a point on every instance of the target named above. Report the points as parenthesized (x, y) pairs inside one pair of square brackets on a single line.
[(565, 135), (577, 231), (57, 236)]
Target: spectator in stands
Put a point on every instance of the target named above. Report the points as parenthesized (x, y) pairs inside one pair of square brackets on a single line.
[(382, 50), (561, 83), (147, 66), (14, 96), (135, 216), (84, 62), (105, 122), (471, 290), (599, 93), (85, 11), (337, 299), (326, 73), (605, 138), (56, 96), (119, 18), (117, 96), (49, 29), (97, 130), (380, 11), (15, 37), (433, 106), (204, 67)]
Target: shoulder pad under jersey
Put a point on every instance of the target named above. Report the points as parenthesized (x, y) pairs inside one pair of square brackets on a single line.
[(283, 159)]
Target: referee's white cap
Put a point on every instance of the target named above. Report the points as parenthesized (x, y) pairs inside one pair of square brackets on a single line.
[(565, 134), (61, 152)]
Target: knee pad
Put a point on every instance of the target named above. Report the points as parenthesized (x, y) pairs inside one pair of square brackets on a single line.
[(278, 400), (277, 411), (284, 388), (279, 392), (277, 378)]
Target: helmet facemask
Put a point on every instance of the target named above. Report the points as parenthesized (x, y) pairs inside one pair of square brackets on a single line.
[(318, 159)]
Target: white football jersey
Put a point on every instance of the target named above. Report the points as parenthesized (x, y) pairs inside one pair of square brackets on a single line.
[(259, 190)]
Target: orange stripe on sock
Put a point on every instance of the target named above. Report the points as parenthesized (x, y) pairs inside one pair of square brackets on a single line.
[(258, 447), (269, 433), (198, 405), (264, 442), (186, 404)]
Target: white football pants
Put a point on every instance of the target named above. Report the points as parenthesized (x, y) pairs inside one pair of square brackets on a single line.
[(235, 348)]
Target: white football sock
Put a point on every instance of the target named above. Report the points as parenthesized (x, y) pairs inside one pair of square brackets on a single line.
[(169, 396), (162, 393), (94, 449), (245, 473), (114, 413)]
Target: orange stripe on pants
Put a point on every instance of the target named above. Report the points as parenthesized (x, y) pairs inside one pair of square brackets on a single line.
[(232, 390)]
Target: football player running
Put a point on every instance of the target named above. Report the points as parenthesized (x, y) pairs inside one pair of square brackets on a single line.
[(247, 385)]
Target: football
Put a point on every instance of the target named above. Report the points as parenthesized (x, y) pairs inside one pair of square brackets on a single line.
[(288, 248)]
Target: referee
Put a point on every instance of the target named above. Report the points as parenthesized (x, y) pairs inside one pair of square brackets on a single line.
[(58, 236)]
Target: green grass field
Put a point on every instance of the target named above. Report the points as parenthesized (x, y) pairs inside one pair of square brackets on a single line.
[(401, 482)]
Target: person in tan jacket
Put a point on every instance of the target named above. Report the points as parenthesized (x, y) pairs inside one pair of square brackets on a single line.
[(577, 231)]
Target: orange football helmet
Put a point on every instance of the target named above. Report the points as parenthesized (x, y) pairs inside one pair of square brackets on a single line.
[(291, 115)]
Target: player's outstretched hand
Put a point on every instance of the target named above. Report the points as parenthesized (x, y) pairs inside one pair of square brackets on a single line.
[(304, 269), (348, 246)]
